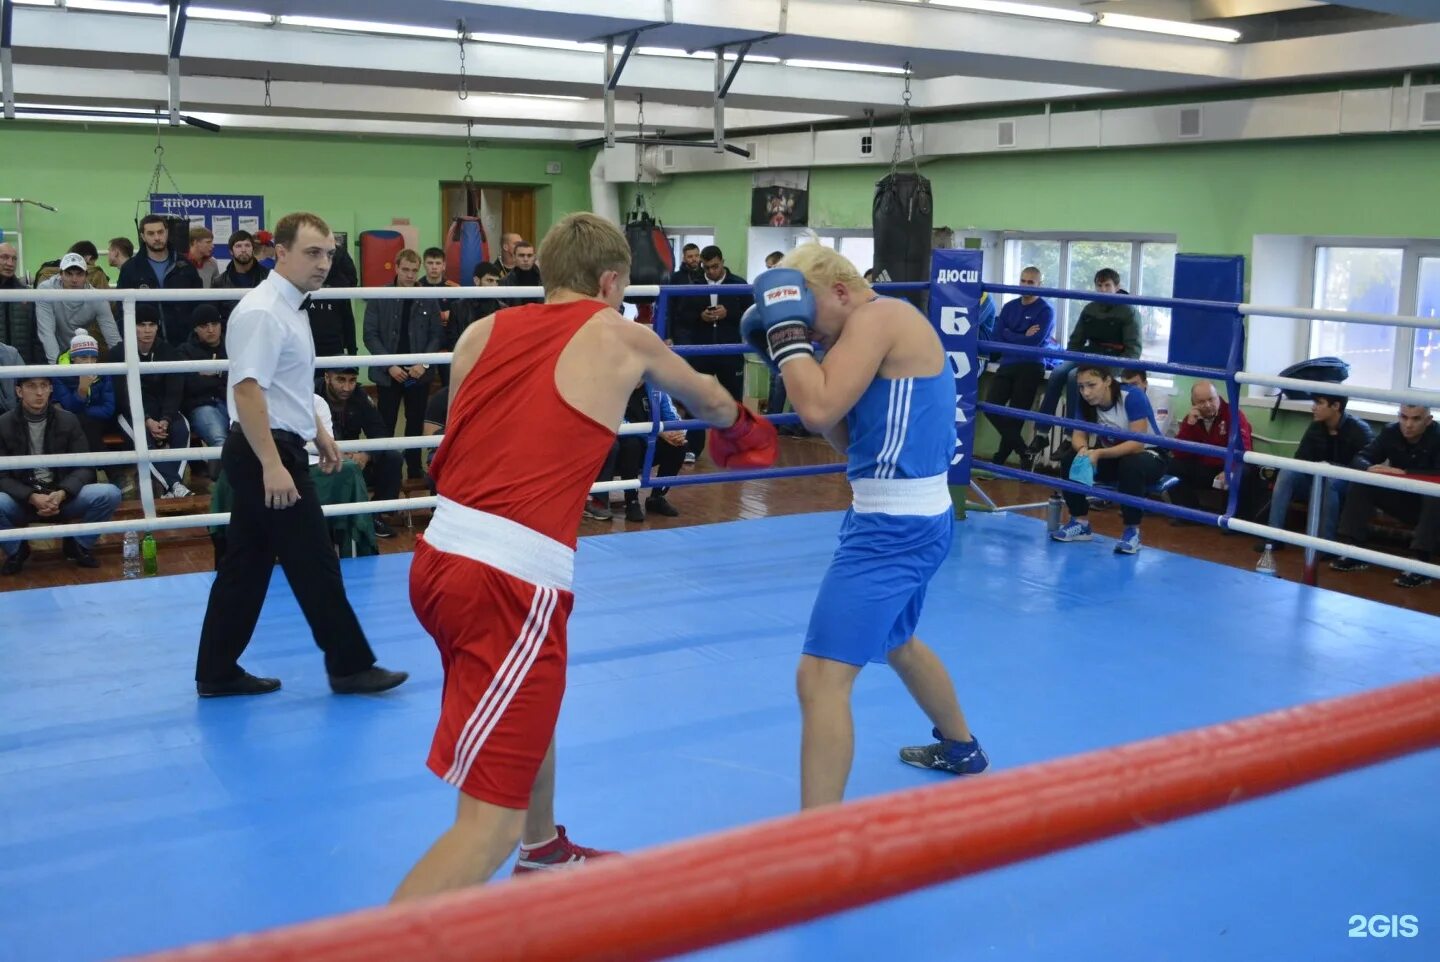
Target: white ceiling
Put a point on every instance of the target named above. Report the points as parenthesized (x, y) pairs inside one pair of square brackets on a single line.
[(369, 83)]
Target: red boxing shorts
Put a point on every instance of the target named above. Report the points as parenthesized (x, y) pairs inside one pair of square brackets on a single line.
[(502, 645)]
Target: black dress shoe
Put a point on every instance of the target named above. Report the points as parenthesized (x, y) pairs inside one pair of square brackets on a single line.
[(16, 561), (659, 504), (371, 681), (382, 530), (243, 684), (79, 554)]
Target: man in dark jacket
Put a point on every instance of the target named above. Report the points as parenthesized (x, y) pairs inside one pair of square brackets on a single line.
[(17, 318), (242, 273), (159, 268), (1109, 329), (353, 416), (523, 274), (1409, 447), (202, 398), (160, 395), (712, 319), (689, 271), (332, 322), (48, 495), (403, 327), (1333, 437)]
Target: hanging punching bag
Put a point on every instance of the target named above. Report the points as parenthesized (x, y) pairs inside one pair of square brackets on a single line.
[(651, 258), (903, 216), (377, 256), (465, 249)]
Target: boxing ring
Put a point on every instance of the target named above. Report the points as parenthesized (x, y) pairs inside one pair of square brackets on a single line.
[(155, 821)]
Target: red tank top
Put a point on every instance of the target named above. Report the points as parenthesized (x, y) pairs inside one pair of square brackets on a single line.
[(513, 446)]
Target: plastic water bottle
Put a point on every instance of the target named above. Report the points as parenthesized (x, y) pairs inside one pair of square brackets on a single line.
[(148, 552), (1052, 512), (1266, 564), (130, 566)]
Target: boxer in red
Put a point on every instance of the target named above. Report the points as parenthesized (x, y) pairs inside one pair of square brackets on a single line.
[(537, 393)]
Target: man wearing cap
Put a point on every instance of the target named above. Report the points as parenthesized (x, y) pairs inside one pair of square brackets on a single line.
[(47, 495), (353, 415), (160, 396), (203, 397), (90, 397), (56, 322)]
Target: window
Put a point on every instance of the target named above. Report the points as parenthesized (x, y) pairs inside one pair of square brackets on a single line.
[(680, 236), (1398, 277), (1365, 279), (1072, 262)]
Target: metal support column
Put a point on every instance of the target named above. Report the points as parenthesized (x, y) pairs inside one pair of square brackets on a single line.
[(179, 17), (7, 66), (1313, 514), (612, 79)]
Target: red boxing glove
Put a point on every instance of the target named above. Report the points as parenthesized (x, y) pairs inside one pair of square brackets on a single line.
[(750, 442)]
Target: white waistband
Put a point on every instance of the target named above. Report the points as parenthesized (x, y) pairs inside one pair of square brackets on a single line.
[(905, 496), (502, 544)]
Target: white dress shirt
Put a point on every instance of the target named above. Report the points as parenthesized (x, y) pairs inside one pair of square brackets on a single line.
[(268, 340)]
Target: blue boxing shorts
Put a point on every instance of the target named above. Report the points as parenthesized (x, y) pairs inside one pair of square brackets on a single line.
[(870, 599)]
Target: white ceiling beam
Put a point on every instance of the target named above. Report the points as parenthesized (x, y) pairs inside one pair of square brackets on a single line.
[(1367, 51)]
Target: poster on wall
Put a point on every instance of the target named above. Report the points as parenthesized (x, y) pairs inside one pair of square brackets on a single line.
[(224, 214), (954, 298), (780, 198)]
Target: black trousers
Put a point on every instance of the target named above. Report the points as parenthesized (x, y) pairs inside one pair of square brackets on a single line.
[(729, 370), (256, 537), (1361, 501), (1013, 385), (389, 398), (668, 459), (1131, 475), (1197, 478), (382, 472)]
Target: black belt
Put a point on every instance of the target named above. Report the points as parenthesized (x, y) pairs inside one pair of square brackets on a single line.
[(276, 433)]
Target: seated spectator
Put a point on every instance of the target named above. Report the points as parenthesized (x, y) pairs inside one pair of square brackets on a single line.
[(437, 409), (202, 255), (56, 322), (160, 395), (1409, 447), (90, 397), (1333, 437), (48, 495), (1103, 328), (202, 399), (1209, 422), (1158, 397), (242, 273), (354, 416), (17, 318), (1131, 466), (1027, 321), (9, 357), (403, 327), (669, 454), (96, 277)]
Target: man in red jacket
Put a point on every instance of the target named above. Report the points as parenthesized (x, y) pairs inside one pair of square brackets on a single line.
[(1209, 422)]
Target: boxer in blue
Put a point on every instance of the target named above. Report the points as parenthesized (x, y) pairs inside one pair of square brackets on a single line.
[(884, 396)]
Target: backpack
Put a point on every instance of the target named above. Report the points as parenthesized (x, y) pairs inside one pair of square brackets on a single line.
[(1331, 370)]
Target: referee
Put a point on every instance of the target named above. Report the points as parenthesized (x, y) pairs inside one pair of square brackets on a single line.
[(276, 512)]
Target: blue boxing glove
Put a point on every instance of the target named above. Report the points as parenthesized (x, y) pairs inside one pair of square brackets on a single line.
[(778, 326)]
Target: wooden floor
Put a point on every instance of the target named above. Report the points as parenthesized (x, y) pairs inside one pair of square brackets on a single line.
[(183, 551)]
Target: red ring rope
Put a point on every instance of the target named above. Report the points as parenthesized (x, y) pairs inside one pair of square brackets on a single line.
[(719, 888)]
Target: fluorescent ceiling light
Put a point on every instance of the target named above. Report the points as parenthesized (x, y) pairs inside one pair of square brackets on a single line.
[(35, 3), (229, 16), (1174, 28), (367, 26), (118, 6), (1017, 9), (544, 42), (836, 65)]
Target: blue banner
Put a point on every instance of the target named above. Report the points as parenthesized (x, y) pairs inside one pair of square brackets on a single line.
[(954, 303), (224, 214)]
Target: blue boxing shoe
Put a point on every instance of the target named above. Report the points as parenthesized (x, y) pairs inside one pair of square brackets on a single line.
[(957, 758)]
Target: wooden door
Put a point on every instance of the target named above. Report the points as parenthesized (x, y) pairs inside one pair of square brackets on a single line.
[(517, 213)]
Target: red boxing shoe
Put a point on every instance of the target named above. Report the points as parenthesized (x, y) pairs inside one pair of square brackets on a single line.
[(558, 853)]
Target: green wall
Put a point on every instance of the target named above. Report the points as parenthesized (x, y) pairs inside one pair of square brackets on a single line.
[(95, 174)]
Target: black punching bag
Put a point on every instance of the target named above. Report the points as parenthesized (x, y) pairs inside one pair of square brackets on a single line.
[(651, 259), (903, 216)]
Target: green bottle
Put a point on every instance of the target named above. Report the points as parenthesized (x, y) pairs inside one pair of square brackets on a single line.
[(148, 562)]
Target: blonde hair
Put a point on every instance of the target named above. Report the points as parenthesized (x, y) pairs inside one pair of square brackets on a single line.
[(578, 249), (823, 266), (407, 256)]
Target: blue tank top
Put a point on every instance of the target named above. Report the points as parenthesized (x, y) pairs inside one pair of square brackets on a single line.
[(903, 428)]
